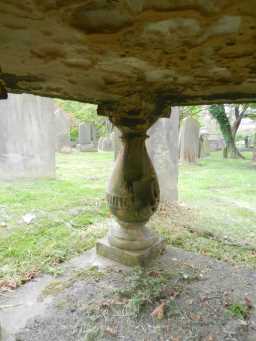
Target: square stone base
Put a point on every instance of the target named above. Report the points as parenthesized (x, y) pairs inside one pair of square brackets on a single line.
[(130, 258)]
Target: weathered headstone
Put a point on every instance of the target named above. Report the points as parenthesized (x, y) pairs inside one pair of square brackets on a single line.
[(189, 140), (204, 148), (105, 144), (211, 127), (27, 137), (162, 147), (87, 137), (62, 129)]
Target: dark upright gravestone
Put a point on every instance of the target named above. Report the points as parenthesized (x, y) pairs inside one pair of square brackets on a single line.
[(87, 137)]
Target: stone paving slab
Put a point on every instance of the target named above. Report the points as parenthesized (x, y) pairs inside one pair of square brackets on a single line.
[(68, 313)]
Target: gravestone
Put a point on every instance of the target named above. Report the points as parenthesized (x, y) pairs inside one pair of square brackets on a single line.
[(105, 144), (189, 140), (84, 133), (87, 137), (162, 147), (62, 129), (204, 148), (27, 137)]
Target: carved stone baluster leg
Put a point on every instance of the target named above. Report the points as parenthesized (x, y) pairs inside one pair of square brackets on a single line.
[(133, 196)]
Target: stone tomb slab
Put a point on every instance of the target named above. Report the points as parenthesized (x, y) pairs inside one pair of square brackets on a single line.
[(85, 308)]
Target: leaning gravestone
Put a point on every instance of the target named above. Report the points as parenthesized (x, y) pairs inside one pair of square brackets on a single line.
[(204, 147), (27, 137), (189, 140), (105, 144), (162, 147), (62, 128)]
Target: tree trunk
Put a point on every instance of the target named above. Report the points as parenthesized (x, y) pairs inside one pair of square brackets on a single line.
[(230, 150)]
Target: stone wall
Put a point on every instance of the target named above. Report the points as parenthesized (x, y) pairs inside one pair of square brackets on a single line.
[(27, 137)]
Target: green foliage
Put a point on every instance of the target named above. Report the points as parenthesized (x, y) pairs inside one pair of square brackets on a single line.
[(85, 112), (74, 134), (219, 113), (66, 210), (191, 111), (144, 288), (239, 310)]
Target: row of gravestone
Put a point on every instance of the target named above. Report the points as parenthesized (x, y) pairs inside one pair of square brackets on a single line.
[(30, 134), (28, 131), (87, 138)]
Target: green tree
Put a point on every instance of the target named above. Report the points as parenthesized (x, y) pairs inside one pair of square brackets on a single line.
[(229, 124), (193, 111), (219, 113), (86, 112)]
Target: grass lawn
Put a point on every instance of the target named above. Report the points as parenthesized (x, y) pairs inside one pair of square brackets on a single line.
[(224, 193), (219, 199)]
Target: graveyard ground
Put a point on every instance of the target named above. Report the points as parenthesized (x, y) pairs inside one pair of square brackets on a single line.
[(44, 223)]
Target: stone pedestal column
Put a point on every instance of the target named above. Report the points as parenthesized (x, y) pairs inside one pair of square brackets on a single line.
[(133, 196)]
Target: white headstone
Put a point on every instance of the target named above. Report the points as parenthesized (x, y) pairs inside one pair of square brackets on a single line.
[(27, 137)]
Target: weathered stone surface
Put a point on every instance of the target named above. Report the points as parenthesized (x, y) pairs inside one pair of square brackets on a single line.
[(206, 288), (127, 257), (133, 197), (204, 147), (162, 147), (211, 128), (27, 137), (62, 130), (127, 55), (85, 134), (106, 144), (189, 140)]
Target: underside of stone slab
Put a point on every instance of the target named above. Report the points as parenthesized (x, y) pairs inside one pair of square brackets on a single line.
[(130, 52)]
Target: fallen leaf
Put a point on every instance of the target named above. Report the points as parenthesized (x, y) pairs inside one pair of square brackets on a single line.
[(154, 274), (159, 311), (210, 338), (110, 331), (8, 285), (28, 276), (195, 317), (248, 302)]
